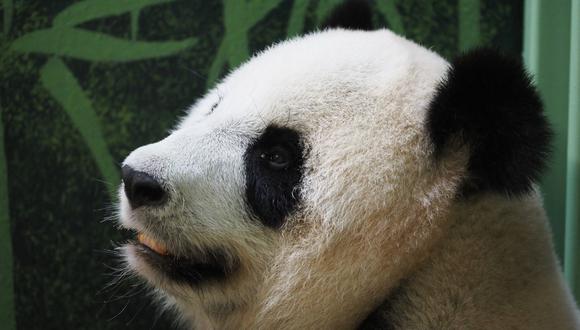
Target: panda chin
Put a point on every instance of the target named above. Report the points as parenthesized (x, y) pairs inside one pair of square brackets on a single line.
[(213, 265)]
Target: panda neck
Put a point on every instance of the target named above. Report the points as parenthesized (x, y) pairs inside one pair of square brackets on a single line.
[(497, 253)]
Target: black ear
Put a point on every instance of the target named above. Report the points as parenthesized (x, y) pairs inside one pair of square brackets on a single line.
[(352, 15), (489, 103)]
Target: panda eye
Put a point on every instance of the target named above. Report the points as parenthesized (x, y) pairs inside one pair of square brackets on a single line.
[(277, 157), (273, 167)]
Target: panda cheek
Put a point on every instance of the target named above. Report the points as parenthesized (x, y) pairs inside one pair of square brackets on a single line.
[(273, 194)]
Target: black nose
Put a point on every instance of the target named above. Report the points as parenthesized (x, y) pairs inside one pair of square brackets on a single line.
[(142, 189)]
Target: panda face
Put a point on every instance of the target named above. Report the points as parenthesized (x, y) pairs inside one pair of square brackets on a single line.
[(315, 142), (315, 132)]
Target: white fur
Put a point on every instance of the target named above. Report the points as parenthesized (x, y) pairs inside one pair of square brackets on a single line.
[(375, 209)]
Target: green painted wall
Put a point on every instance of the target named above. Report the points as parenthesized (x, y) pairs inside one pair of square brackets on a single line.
[(572, 238), (547, 55), (85, 82), (552, 53)]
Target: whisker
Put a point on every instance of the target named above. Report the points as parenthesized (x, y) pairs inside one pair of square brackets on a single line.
[(195, 73), (122, 310)]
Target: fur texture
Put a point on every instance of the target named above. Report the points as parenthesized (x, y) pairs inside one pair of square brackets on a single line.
[(376, 228), (495, 270), (488, 102)]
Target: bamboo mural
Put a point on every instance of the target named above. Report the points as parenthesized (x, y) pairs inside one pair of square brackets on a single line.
[(63, 39), (90, 80)]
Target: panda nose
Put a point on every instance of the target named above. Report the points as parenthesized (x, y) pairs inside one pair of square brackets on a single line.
[(142, 189)]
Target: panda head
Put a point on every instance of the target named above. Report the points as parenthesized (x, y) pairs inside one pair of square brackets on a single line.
[(316, 175)]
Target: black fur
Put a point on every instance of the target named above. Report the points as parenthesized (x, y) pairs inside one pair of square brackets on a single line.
[(377, 320), (272, 192), (383, 318), (352, 15), (210, 266), (489, 103)]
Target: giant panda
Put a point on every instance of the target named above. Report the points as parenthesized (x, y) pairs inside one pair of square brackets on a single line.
[(351, 179)]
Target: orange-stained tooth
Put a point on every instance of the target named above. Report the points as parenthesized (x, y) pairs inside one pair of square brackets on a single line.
[(152, 244)]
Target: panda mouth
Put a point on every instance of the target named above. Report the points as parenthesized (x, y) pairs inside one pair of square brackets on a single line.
[(201, 267), (152, 244)]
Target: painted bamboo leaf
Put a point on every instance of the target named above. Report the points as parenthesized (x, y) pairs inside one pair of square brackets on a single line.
[(64, 87), (95, 46), (239, 18), (84, 11), (135, 23), (469, 30), (220, 59), (389, 10), (324, 8), (297, 16), (6, 274)]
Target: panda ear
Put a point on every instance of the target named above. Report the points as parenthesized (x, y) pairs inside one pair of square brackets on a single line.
[(488, 102), (352, 15)]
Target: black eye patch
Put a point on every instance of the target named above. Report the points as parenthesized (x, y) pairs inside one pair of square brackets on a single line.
[(273, 164)]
